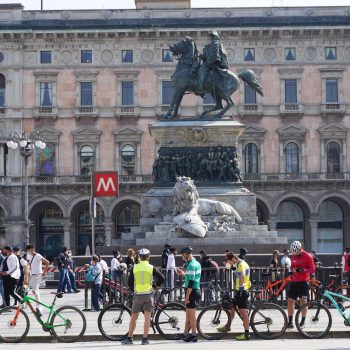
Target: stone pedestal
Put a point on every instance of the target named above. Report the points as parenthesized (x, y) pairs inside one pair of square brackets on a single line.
[(175, 141)]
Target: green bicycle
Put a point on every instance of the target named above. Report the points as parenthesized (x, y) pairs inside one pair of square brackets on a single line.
[(318, 319), (67, 324)]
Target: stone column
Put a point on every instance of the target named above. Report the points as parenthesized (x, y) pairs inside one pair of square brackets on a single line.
[(67, 226), (108, 230), (138, 159), (313, 234), (272, 222)]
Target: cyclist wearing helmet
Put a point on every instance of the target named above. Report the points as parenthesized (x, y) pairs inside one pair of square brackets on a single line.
[(193, 293), (302, 267), (141, 280)]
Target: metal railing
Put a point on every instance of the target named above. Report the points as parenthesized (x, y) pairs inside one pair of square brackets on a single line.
[(296, 176)]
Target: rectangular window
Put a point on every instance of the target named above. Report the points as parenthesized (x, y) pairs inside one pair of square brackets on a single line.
[(332, 91), (45, 57), (167, 56), (290, 91), (86, 93), (249, 95), (127, 56), (290, 54), (127, 93), (331, 53), (86, 56), (249, 54), (45, 94), (167, 92)]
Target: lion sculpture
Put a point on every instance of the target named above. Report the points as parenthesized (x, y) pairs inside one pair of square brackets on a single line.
[(188, 208)]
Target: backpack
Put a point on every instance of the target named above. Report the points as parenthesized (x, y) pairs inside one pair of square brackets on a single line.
[(214, 265), (89, 277)]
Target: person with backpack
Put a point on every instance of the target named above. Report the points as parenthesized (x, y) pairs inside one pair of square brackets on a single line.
[(23, 281), (94, 275), (36, 261), (10, 273)]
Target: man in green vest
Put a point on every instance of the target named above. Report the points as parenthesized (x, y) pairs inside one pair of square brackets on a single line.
[(141, 280), (193, 293)]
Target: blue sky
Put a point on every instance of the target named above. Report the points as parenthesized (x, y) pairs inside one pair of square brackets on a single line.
[(122, 4)]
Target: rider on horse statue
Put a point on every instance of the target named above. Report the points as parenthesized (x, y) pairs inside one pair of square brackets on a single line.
[(214, 59)]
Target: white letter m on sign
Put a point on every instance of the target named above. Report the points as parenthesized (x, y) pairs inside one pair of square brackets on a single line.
[(105, 185)]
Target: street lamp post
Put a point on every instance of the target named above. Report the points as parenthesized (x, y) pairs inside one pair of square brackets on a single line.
[(26, 144)]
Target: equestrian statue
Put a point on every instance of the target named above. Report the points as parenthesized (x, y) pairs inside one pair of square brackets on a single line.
[(206, 73)]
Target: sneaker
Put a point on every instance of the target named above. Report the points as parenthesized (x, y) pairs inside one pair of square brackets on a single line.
[(243, 337), (39, 313), (77, 291), (191, 338), (290, 326), (127, 341), (222, 329), (145, 341)]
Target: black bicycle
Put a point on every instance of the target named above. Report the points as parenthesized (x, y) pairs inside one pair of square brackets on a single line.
[(268, 320), (113, 320)]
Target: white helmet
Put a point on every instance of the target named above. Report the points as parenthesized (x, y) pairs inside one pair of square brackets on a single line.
[(295, 247), (144, 252)]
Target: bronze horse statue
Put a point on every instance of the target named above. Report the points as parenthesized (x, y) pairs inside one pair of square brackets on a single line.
[(220, 83)]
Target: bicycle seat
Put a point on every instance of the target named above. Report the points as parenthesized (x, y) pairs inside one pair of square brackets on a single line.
[(58, 295), (333, 276)]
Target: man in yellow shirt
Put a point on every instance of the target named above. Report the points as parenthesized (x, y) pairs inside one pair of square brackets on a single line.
[(241, 288)]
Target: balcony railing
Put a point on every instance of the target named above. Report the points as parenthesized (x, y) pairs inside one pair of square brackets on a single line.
[(72, 180), (269, 177), (250, 109), (47, 111), (333, 108), (132, 110), (291, 108), (86, 111)]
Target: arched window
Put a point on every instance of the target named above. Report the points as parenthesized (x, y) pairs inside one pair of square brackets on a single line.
[(251, 159), (87, 161), (330, 228), (127, 217), (290, 221), (84, 228), (292, 157), (50, 230), (2, 90), (128, 160), (333, 158)]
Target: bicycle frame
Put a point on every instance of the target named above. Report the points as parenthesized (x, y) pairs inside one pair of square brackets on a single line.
[(27, 300), (330, 296)]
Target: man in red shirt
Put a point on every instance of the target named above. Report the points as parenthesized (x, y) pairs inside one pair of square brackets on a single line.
[(302, 267)]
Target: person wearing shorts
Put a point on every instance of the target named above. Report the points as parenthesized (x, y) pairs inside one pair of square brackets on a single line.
[(193, 293), (141, 280), (302, 267), (35, 262)]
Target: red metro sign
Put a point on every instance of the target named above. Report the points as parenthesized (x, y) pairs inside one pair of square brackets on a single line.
[(106, 184)]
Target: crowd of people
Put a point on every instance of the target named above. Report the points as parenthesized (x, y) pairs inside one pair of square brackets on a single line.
[(19, 270)]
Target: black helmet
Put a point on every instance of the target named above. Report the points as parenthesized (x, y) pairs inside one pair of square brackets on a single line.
[(186, 250)]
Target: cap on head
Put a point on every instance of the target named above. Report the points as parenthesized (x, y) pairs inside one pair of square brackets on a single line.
[(186, 250)]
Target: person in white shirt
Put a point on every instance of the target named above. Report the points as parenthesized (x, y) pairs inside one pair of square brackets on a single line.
[(115, 266), (10, 273), (285, 260), (171, 269), (36, 261)]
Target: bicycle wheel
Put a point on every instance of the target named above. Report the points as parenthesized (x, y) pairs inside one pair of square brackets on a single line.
[(113, 321), (14, 324), (214, 322), (68, 324), (268, 321), (170, 320), (318, 320)]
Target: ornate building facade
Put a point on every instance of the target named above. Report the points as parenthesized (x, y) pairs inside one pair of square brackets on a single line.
[(92, 81)]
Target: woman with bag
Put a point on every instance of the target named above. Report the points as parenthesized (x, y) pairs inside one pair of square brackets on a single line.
[(94, 276)]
